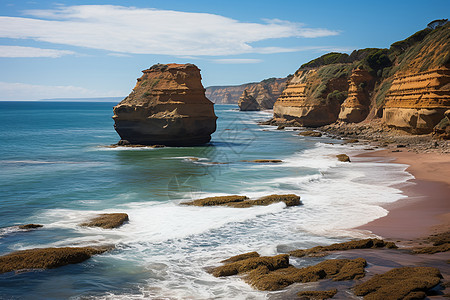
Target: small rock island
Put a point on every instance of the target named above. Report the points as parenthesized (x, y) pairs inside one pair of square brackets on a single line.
[(167, 107)]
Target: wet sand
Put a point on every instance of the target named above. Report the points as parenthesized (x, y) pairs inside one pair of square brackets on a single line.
[(426, 210)]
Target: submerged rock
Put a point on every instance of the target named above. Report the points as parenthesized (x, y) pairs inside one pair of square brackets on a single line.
[(317, 295), (107, 221), (243, 201), (30, 226), (47, 258), (167, 107), (400, 283), (359, 244)]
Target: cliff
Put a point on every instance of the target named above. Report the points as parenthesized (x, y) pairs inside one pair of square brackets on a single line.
[(265, 92), (313, 96), (166, 107), (407, 86)]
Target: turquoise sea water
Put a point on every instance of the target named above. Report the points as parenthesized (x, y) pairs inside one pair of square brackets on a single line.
[(56, 169)]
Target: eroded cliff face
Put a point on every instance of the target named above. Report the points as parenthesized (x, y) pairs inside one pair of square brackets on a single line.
[(407, 85), (356, 107), (265, 92), (166, 107), (312, 98), (417, 102)]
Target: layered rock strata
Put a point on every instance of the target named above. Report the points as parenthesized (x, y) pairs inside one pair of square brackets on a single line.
[(356, 107), (306, 99), (168, 107), (406, 86), (417, 102)]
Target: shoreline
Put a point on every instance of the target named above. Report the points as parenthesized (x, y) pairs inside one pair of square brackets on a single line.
[(426, 209)]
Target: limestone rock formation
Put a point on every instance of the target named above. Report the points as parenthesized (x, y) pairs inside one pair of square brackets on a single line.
[(311, 98), (408, 86), (247, 102), (265, 92), (167, 107), (417, 102), (356, 107)]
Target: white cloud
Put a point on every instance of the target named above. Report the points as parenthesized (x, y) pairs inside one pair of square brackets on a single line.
[(237, 61), (18, 51), (24, 91), (151, 31)]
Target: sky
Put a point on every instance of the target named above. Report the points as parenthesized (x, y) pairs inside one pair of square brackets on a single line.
[(82, 49)]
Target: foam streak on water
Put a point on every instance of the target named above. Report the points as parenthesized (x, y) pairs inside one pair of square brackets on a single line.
[(164, 250)]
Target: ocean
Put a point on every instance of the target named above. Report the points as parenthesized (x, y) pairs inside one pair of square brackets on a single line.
[(57, 169)]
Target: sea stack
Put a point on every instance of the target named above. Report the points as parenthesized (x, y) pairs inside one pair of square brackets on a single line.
[(168, 107)]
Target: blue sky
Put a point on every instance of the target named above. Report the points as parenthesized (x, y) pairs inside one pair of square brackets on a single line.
[(52, 49)]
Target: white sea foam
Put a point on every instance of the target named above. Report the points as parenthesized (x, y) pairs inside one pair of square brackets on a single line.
[(175, 243)]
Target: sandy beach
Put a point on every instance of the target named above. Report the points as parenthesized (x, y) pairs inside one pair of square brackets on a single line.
[(426, 210)]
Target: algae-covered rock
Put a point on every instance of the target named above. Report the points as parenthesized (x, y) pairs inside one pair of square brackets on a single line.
[(271, 273), (47, 258), (433, 249), (219, 200), (263, 278), (241, 257), (107, 221), (243, 201), (30, 226), (317, 295), (289, 200), (399, 283), (440, 239), (245, 265), (359, 244), (343, 157)]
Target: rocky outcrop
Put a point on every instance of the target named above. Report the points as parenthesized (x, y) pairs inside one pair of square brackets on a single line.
[(312, 98), (417, 102), (343, 157), (442, 130), (271, 273), (400, 283), (407, 86), (356, 107), (107, 221), (247, 102), (30, 226), (244, 201), (265, 92), (167, 107), (320, 251), (47, 258)]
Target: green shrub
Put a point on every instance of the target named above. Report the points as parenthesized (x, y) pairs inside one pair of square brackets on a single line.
[(326, 59)]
